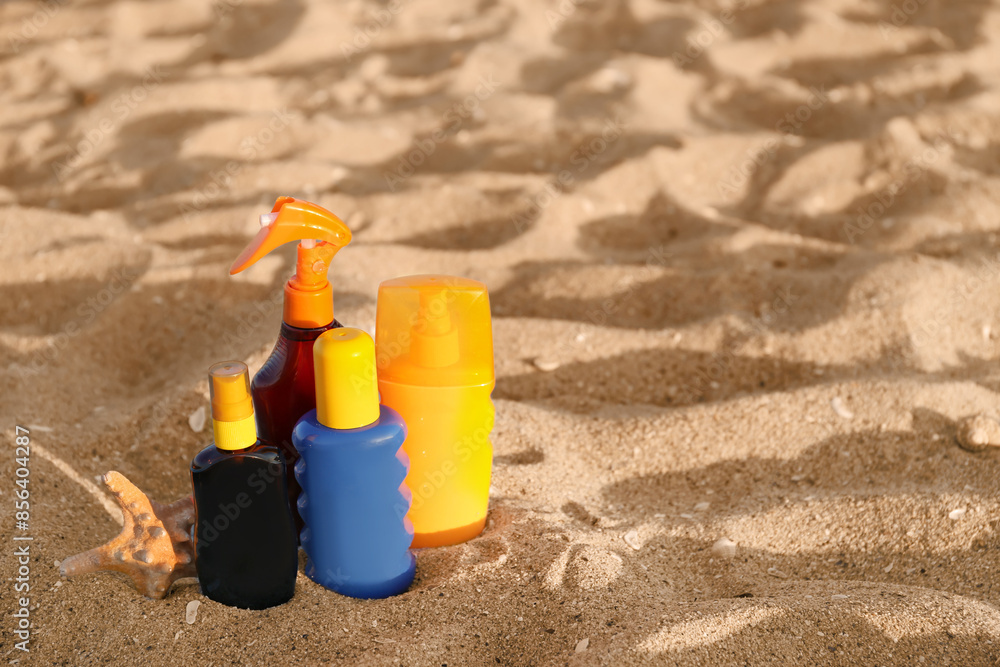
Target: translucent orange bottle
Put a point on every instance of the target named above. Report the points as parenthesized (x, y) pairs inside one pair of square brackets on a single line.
[(434, 350)]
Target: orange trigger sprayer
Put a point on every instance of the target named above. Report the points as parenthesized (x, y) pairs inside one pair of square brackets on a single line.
[(308, 294), (285, 387)]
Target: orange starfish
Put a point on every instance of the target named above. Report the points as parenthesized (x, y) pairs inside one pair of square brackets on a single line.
[(154, 547)]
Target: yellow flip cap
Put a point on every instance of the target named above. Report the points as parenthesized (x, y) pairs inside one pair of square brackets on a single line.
[(232, 408), (346, 386)]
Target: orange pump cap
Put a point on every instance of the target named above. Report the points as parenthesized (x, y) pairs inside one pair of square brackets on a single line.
[(434, 331), (230, 388), (308, 294), (233, 422)]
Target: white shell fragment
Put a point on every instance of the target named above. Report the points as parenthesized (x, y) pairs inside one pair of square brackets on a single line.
[(582, 645), (979, 432), (724, 548), (545, 365), (838, 406), (955, 515), (632, 539), (198, 419), (191, 613), (608, 80)]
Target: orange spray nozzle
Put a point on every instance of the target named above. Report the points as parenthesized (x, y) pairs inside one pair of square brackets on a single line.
[(233, 419), (308, 295)]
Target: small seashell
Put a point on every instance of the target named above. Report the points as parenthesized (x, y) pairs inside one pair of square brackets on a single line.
[(337, 174), (955, 515), (191, 613), (632, 539), (888, 568), (545, 365), (979, 432), (775, 572), (582, 645), (724, 548), (198, 419), (609, 80), (838, 406)]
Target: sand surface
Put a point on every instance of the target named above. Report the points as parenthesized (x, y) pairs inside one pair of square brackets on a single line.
[(745, 271)]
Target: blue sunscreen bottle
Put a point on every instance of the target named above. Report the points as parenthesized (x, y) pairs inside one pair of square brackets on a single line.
[(352, 469)]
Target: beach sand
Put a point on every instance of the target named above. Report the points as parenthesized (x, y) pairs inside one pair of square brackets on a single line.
[(743, 263)]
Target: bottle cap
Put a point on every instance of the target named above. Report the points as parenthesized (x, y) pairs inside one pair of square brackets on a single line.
[(232, 407), (308, 294), (346, 386), (434, 331)]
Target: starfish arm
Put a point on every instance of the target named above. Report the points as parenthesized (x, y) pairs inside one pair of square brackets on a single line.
[(177, 518), (154, 548), (94, 560)]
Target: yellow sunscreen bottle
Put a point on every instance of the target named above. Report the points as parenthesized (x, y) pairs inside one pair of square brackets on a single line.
[(434, 351)]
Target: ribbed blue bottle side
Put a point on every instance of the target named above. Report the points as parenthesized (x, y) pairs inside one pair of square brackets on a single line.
[(355, 535)]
